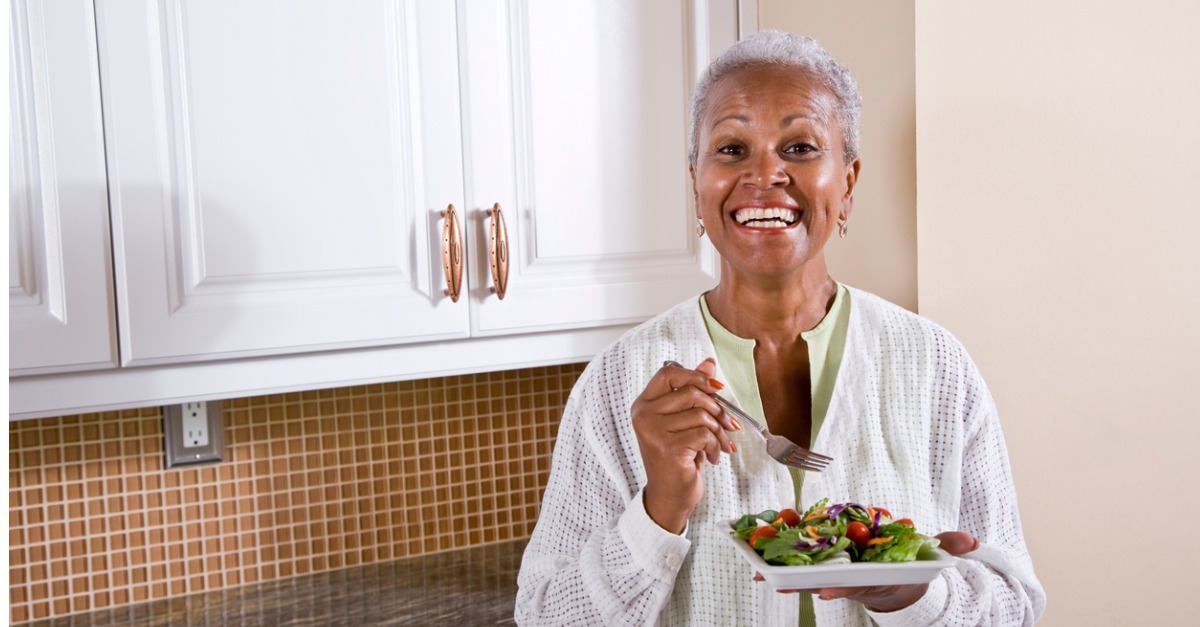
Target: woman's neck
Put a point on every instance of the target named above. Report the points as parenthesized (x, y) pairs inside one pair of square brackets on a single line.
[(775, 311)]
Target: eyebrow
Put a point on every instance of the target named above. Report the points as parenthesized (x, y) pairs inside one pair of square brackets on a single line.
[(737, 118), (787, 121), (799, 116)]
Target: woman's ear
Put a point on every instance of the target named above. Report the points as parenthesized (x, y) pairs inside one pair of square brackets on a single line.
[(851, 176), (851, 180), (695, 192)]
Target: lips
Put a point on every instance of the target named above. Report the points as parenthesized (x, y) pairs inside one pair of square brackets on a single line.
[(766, 217)]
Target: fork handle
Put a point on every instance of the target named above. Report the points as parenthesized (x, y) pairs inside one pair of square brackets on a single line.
[(742, 416)]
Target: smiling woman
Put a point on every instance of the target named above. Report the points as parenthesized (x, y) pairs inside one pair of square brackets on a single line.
[(648, 467)]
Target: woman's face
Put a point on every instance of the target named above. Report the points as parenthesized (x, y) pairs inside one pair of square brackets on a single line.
[(770, 178)]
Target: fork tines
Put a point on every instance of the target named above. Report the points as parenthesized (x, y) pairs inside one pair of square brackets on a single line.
[(806, 460), (816, 457)]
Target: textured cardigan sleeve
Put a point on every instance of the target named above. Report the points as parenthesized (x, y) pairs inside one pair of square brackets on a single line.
[(995, 584), (595, 557)]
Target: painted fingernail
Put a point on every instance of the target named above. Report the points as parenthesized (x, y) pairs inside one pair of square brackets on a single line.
[(733, 446), (736, 425), (716, 384)]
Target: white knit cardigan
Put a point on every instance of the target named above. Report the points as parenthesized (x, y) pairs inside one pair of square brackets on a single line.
[(911, 427)]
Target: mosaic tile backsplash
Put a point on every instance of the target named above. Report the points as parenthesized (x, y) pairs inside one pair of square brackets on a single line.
[(311, 482)]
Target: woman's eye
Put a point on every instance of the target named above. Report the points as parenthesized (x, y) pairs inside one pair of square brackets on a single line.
[(730, 149), (800, 148)]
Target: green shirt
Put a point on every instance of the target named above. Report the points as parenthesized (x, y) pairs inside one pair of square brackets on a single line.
[(826, 343)]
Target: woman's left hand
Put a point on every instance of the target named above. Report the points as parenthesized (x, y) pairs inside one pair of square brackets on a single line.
[(892, 598)]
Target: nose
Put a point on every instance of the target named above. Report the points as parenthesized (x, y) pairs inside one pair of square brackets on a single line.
[(765, 169)]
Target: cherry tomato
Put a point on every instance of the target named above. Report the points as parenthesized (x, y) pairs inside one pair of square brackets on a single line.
[(763, 532), (789, 517), (858, 533), (906, 521)]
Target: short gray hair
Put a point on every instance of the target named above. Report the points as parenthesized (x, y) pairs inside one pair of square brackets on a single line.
[(773, 47)]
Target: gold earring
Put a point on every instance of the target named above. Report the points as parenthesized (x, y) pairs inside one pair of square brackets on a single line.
[(843, 227), (699, 227)]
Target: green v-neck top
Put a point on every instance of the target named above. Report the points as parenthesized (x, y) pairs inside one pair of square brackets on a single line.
[(826, 343)]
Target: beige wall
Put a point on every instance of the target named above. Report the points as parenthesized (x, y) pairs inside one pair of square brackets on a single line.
[(1056, 162), (1058, 148), (880, 253)]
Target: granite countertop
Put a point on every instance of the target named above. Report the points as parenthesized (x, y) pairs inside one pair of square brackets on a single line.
[(473, 586)]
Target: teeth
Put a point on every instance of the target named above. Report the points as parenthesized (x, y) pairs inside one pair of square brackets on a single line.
[(765, 218)]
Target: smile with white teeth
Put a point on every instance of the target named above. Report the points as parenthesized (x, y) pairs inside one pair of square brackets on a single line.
[(766, 217)]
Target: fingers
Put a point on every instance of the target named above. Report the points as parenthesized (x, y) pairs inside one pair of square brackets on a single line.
[(957, 543), (678, 404), (687, 409), (673, 377), (707, 440), (829, 594), (686, 388), (758, 577), (708, 368)]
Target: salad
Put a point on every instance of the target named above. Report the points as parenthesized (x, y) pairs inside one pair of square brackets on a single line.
[(832, 534)]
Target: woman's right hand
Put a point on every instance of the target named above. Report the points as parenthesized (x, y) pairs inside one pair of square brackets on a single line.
[(679, 426)]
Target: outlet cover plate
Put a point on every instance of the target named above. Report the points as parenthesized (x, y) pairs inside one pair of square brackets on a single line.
[(193, 433)]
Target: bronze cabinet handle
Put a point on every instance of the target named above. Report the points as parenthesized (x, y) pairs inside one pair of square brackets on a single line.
[(498, 250), (452, 257)]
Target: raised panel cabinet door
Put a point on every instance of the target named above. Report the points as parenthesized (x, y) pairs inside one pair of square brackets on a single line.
[(60, 291), (279, 172), (576, 126)]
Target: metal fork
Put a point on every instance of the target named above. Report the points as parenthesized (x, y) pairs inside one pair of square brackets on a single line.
[(780, 448)]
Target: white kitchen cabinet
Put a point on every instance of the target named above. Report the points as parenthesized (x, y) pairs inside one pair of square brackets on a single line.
[(277, 169), (278, 173), (576, 118), (60, 298)]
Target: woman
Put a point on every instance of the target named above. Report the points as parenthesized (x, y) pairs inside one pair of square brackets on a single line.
[(647, 465)]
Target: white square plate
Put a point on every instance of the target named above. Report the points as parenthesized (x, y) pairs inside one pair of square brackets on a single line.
[(840, 575)]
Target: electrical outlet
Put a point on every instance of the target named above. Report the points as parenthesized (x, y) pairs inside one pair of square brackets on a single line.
[(192, 433), (195, 425)]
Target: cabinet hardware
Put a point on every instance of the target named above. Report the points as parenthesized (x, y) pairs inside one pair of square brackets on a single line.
[(498, 250), (452, 253)]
